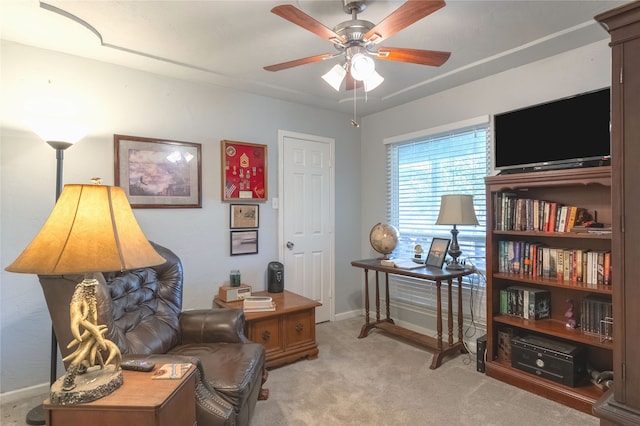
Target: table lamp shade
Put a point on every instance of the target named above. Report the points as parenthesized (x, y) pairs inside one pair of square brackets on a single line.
[(457, 209), (91, 229)]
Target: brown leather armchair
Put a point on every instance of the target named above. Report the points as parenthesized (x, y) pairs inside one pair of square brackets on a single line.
[(142, 310)]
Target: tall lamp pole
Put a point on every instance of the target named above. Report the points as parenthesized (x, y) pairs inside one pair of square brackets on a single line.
[(36, 416)]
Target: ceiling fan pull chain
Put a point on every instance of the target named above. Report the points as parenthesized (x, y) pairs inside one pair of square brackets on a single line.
[(354, 123)]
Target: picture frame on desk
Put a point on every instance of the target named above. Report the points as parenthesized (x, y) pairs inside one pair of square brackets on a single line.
[(437, 252)]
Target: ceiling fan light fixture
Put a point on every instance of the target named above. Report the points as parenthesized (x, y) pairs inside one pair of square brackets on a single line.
[(373, 81), (362, 66), (335, 76)]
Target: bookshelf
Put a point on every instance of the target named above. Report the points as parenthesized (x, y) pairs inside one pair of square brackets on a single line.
[(588, 188), (622, 405)]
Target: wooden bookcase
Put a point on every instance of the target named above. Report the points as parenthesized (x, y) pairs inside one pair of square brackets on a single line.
[(622, 405), (588, 188)]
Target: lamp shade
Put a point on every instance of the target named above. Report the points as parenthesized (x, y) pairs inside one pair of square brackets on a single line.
[(335, 76), (457, 209), (91, 229)]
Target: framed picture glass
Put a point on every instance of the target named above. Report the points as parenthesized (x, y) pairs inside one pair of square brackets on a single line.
[(244, 216), (244, 171), (437, 252), (158, 173), (244, 242)]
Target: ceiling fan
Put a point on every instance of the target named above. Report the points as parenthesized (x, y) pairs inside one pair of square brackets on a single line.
[(356, 40)]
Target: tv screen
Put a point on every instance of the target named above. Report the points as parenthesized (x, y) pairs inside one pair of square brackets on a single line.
[(569, 132)]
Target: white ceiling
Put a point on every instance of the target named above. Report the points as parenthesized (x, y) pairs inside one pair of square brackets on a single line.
[(228, 43)]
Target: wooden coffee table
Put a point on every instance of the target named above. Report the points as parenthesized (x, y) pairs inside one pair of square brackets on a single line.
[(140, 401), (288, 333)]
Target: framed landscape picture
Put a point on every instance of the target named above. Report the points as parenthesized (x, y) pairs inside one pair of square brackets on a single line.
[(437, 252), (158, 173), (244, 242), (244, 171)]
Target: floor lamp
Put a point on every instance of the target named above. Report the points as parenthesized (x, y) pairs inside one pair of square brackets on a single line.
[(36, 416)]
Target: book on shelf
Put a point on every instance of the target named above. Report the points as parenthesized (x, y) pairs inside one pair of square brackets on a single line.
[(563, 264), (596, 315), (527, 302), (513, 213)]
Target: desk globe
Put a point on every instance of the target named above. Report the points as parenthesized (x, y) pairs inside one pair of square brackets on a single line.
[(384, 238)]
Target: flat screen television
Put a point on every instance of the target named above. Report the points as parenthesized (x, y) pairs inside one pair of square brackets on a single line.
[(565, 133)]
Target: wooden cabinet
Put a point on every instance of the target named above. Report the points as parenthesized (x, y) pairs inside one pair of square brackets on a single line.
[(622, 406), (588, 188), (140, 401), (288, 333)]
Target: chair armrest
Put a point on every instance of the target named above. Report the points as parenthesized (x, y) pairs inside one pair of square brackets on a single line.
[(212, 326)]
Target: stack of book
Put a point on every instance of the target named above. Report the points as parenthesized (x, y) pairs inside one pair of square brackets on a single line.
[(258, 304)]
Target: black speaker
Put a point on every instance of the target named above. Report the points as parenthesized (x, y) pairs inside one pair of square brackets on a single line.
[(275, 277), (481, 352)]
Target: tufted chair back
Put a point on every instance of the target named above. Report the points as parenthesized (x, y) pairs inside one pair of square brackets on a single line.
[(141, 308)]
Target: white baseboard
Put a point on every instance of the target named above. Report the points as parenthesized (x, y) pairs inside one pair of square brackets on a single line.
[(24, 393)]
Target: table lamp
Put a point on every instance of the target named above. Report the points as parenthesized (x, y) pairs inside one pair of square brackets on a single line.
[(91, 229), (456, 209)]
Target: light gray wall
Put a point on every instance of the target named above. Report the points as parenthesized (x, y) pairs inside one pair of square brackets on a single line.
[(141, 104), (124, 101), (574, 72)]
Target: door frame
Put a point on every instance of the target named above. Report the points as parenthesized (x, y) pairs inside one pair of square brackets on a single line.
[(282, 134)]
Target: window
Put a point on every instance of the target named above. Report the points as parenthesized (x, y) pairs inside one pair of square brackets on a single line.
[(421, 168)]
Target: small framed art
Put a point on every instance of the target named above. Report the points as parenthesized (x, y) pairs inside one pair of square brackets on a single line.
[(158, 173), (437, 252), (244, 242), (244, 216), (244, 171)]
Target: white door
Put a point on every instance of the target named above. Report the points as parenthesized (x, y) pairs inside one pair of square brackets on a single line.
[(306, 217)]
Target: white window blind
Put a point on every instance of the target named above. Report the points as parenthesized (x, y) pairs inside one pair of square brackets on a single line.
[(419, 171)]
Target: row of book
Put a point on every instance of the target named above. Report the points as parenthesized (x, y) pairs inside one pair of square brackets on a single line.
[(513, 213), (537, 260), (525, 302), (596, 316)]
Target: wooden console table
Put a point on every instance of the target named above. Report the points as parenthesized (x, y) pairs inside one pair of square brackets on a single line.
[(426, 273), (288, 333), (140, 401)]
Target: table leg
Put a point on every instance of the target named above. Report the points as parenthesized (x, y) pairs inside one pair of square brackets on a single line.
[(439, 314), (450, 313), (365, 328), (387, 297), (460, 315), (377, 298)]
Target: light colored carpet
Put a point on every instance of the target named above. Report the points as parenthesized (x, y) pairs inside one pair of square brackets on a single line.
[(382, 380)]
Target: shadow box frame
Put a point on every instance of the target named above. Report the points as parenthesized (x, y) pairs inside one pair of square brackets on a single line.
[(437, 252), (236, 240), (244, 170), (155, 168)]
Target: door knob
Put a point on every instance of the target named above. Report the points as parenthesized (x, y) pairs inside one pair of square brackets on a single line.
[(289, 245)]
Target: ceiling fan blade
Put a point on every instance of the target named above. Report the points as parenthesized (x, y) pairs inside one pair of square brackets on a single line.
[(433, 58), (298, 17), (410, 12), (297, 62)]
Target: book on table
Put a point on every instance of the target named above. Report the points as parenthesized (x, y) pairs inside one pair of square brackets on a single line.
[(258, 304)]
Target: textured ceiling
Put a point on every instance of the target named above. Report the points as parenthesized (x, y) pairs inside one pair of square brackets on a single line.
[(228, 43)]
